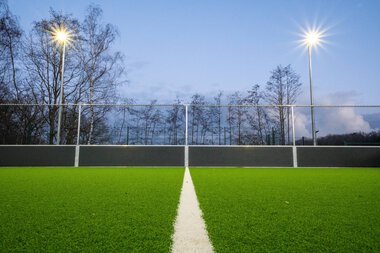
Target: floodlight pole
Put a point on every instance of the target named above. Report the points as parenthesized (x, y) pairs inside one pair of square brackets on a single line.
[(311, 99), (61, 96)]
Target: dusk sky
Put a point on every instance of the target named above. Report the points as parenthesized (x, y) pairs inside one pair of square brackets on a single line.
[(177, 48)]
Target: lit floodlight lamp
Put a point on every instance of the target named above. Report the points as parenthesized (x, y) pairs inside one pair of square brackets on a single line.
[(312, 38), (61, 35)]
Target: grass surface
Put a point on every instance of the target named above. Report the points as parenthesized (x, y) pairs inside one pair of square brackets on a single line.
[(290, 210), (88, 209)]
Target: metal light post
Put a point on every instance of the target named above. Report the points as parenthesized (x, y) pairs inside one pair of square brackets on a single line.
[(312, 39), (61, 96), (61, 36), (311, 98)]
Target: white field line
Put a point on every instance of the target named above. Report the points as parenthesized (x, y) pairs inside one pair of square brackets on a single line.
[(190, 234)]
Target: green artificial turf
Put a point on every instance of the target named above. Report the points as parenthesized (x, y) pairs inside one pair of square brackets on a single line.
[(290, 210), (88, 209)]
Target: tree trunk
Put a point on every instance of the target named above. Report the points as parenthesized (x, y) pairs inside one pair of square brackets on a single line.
[(92, 112), (122, 125), (13, 70), (52, 124)]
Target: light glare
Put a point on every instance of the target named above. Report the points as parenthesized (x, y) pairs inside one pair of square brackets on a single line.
[(61, 35), (312, 38)]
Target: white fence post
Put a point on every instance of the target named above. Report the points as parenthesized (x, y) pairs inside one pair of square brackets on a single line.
[(78, 137), (186, 136), (295, 162)]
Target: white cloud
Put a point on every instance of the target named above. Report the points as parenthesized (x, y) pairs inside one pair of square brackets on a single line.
[(342, 119), (300, 123), (332, 120)]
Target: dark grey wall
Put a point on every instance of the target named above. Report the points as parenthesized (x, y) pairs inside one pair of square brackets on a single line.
[(131, 156), (37, 155), (198, 156), (338, 156), (241, 156)]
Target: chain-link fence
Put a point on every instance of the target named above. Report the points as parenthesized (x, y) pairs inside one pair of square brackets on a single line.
[(180, 124)]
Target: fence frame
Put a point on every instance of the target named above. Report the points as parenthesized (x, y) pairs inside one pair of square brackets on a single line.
[(186, 144)]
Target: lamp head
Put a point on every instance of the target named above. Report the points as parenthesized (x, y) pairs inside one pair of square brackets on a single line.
[(61, 35), (312, 38)]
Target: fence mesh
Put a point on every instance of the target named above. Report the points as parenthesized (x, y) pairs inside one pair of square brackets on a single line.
[(207, 125)]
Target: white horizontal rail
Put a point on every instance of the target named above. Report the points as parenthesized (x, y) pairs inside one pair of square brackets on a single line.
[(86, 145), (190, 146), (195, 105), (84, 104)]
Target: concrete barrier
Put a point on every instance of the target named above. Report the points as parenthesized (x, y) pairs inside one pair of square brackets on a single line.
[(324, 156), (131, 156), (37, 155), (239, 156)]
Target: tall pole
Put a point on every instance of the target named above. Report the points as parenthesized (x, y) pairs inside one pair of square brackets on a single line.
[(186, 124), (294, 148), (186, 136), (76, 160), (61, 96), (311, 99)]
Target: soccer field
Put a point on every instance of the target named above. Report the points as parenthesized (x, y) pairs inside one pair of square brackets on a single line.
[(290, 210), (88, 209), (134, 209)]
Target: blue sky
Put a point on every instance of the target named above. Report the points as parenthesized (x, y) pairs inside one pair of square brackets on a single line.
[(177, 48)]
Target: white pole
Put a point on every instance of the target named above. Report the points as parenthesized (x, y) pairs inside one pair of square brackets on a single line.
[(311, 98), (295, 162), (61, 96), (293, 127), (78, 137), (186, 136)]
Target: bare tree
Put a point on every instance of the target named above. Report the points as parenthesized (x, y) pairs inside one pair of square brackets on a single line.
[(10, 46), (236, 115), (121, 128), (282, 88), (175, 119), (101, 66), (42, 62), (293, 90), (151, 117), (216, 116), (92, 74), (197, 114), (10, 34), (258, 120)]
